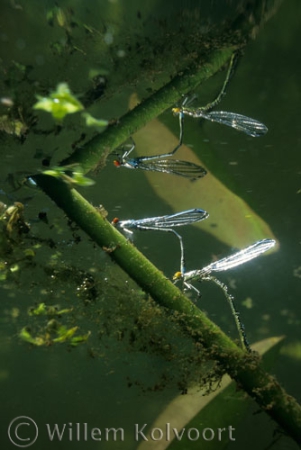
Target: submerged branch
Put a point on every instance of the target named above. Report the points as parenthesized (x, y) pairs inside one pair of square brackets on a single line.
[(89, 155), (243, 367), (205, 64)]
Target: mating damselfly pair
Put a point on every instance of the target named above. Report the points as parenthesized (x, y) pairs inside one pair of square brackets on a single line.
[(164, 163), (168, 222)]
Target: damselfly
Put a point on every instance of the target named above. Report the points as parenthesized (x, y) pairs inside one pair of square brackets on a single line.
[(242, 123), (229, 262), (239, 122), (226, 263), (157, 163), (165, 223)]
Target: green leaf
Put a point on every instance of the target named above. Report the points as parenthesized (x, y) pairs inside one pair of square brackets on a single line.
[(27, 337), (80, 339), (59, 103), (44, 310), (65, 334), (92, 122), (72, 175)]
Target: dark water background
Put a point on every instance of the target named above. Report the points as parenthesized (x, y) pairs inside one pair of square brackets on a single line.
[(103, 383)]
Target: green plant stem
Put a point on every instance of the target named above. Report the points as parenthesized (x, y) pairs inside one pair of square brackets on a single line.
[(205, 66), (243, 367), (90, 154)]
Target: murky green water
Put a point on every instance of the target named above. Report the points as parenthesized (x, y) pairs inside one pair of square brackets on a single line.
[(113, 380)]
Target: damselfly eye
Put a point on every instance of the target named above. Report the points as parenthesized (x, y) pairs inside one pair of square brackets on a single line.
[(115, 221), (116, 163)]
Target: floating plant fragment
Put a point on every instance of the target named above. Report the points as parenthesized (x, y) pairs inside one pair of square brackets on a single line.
[(62, 333), (92, 122), (72, 175), (59, 103), (44, 310)]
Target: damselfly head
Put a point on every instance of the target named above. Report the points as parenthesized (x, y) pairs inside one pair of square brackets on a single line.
[(177, 276), (115, 221), (176, 111), (117, 163)]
